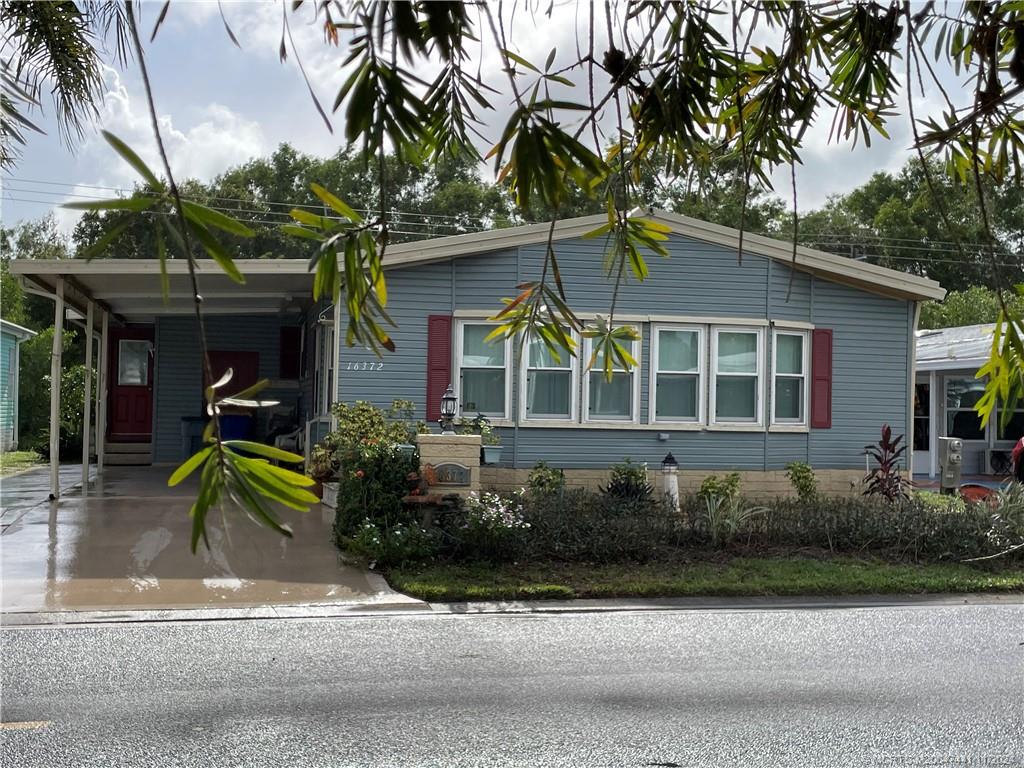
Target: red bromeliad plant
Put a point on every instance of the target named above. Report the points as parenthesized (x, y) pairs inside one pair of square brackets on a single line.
[(885, 479)]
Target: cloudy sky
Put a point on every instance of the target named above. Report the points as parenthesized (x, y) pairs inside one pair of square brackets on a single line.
[(221, 105)]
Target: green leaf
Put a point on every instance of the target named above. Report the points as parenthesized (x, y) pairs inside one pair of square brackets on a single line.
[(267, 451), (335, 203), (129, 156), (217, 252), (311, 219), (108, 237), (135, 203), (189, 466), (161, 254), (296, 231), (203, 215), (520, 60)]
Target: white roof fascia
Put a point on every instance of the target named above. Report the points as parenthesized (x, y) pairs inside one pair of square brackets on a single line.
[(971, 365), (152, 266), (14, 329)]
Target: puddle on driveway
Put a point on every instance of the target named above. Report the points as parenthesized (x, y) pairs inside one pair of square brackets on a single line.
[(131, 551)]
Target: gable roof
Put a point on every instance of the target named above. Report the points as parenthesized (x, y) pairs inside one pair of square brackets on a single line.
[(130, 287), (840, 269)]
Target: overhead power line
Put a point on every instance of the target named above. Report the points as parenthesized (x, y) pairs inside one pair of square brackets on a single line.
[(279, 203)]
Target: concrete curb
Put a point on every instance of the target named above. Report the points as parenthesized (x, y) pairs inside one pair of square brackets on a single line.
[(387, 604), (729, 603), (402, 605)]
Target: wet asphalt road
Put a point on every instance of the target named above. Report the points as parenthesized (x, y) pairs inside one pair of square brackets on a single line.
[(910, 686)]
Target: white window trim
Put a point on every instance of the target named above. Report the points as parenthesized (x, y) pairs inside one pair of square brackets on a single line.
[(457, 372), (758, 422), (652, 413), (990, 432), (574, 399), (805, 365), (636, 347)]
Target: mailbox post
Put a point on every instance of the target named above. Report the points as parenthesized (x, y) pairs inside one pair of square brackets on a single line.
[(951, 461)]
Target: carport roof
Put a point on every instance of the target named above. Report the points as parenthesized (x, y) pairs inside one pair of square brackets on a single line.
[(130, 288)]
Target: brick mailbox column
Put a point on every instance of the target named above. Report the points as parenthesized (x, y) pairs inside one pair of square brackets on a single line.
[(450, 463)]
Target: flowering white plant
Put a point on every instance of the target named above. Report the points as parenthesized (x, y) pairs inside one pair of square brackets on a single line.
[(494, 511)]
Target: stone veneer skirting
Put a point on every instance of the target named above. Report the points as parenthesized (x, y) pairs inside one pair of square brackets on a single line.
[(754, 484)]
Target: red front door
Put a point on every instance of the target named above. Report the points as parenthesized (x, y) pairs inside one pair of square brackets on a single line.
[(131, 384)]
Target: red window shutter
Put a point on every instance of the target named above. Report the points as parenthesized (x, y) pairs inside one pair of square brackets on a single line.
[(439, 362), (821, 378)]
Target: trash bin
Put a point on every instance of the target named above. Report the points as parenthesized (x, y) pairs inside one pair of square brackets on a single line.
[(236, 426), (191, 435)]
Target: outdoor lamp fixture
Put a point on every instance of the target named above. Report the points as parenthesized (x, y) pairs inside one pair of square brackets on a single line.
[(670, 480), (449, 404)]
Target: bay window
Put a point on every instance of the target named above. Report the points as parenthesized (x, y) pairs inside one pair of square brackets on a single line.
[(482, 371), (736, 355), (617, 399), (677, 375), (789, 378), (549, 383)]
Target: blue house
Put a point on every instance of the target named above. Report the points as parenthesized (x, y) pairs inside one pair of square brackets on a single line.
[(744, 365), (11, 337)]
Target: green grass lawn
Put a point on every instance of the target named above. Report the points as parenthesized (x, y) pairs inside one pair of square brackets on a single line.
[(12, 462), (741, 576)]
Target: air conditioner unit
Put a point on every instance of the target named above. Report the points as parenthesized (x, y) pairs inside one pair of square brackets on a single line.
[(996, 461)]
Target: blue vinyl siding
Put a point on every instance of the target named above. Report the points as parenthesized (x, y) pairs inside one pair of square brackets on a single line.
[(178, 380), (870, 353), (8, 407)]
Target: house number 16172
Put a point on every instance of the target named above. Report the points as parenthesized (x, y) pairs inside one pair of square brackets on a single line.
[(364, 366)]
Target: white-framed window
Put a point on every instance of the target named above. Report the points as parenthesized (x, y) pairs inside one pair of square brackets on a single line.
[(1014, 429), (482, 367), (962, 395), (677, 374), (737, 367), (615, 400), (790, 364), (549, 385)]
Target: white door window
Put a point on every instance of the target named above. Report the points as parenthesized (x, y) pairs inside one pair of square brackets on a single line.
[(133, 362)]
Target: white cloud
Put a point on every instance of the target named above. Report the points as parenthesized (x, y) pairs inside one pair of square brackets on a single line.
[(220, 139)]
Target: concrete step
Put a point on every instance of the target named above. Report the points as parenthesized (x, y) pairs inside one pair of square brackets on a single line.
[(128, 448), (127, 459)]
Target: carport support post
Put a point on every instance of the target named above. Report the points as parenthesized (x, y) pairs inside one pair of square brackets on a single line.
[(55, 372), (101, 393), (87, 397)]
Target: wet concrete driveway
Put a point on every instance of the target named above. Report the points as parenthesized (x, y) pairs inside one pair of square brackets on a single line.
[(123, 544)]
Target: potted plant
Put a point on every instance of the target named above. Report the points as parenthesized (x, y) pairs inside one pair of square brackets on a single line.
[(490, 443)]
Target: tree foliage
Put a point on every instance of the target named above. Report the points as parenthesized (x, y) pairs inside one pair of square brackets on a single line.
[(54, 45), (893, 220), (973, 306)]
